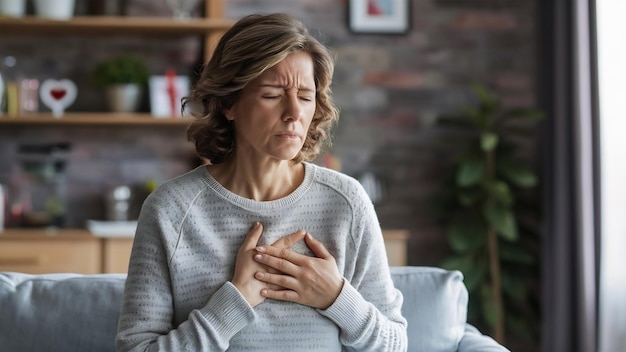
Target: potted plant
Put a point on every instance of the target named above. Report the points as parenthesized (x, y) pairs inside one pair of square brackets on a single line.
[(490, 213), (124, 79)]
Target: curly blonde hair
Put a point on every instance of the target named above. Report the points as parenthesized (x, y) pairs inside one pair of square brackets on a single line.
[(252, 45)]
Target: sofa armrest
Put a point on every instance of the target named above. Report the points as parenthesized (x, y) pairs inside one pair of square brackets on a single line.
[(474, 341)]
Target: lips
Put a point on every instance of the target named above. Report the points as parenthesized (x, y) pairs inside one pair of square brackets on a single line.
[(289, 135)]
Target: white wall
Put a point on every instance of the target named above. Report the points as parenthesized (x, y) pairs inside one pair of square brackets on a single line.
[(611, 16)]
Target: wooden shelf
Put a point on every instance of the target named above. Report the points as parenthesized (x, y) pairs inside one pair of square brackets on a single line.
[(43, 233), (111, 25), (93, 118)]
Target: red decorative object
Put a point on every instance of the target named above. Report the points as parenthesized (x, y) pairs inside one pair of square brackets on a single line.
[(57, 95)]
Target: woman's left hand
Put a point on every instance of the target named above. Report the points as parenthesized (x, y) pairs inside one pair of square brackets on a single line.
[(311, 281)]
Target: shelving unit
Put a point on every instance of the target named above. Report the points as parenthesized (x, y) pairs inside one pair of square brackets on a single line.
[(92, 118), (77, 250), (210, 28), (109, 25)]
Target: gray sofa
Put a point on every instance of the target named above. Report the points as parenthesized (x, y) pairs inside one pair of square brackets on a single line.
[(72, 312)]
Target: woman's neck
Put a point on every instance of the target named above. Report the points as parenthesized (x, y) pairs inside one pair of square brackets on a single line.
[(260, 181)]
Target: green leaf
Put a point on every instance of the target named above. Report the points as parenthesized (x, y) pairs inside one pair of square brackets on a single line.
[(484, 95), (466, 234), (121, 70), (488, 141), (456, 262), (468, 197), (476, 117), (453, 263), (470, 172), (500, 191), (474, 276), (503, 221), (517, 173)]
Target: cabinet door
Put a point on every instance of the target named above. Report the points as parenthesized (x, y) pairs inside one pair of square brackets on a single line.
[(116, 252), (50, 256), (396, 246)]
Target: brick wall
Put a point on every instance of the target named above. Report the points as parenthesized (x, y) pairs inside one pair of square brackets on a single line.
[(390, 89)]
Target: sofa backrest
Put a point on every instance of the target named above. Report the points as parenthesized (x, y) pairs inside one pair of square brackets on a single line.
[(59, 312), (72, 312)]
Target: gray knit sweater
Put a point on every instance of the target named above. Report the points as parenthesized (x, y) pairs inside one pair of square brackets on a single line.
[(178, 296)]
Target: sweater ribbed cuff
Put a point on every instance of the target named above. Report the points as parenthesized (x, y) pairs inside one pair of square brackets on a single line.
[(350, 311), (228, 311)]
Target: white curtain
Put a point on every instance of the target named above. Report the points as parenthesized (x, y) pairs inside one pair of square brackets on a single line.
[(611, 51)]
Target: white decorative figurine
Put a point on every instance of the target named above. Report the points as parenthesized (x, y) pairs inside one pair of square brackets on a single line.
[(57, 95)]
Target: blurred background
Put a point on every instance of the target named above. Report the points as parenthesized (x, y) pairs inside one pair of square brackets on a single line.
[(407, 94)]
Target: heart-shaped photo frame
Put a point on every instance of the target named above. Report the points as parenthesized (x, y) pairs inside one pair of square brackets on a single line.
[(58, 95)]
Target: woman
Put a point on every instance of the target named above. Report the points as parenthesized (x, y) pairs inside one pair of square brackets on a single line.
[(261, 250)]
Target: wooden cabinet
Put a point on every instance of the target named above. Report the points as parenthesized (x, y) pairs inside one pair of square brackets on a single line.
[(210, 28), (396, 246), (116, 254), (76, 251)]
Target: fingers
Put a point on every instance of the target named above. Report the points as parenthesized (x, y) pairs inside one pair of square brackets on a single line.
[(279, 282), (285, 260), (252, 239), (317, 247), (281, 295), (290, 240), (285, 253), (283, 288)]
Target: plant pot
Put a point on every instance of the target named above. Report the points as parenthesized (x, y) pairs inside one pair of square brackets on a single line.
[(13, 8), (123, 97), (54, 9)]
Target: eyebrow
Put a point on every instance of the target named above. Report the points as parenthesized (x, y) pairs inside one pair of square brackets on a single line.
[(278, 86)]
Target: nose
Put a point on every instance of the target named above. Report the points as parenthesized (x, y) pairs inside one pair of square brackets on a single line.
[(293, 109)]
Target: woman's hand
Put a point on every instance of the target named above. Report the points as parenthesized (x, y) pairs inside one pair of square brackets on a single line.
[(311, 281), (246, 267)]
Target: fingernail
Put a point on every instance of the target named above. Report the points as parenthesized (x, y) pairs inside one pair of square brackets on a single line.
[(260, 249), (258, 257), (256, 225), (263, 292), (259, 275)]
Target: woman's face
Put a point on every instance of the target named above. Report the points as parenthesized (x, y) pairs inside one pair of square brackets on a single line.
[(274, 111)]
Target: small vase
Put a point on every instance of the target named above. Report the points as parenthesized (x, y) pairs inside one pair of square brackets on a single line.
[(123, 97), (54, 9), (13, 8)]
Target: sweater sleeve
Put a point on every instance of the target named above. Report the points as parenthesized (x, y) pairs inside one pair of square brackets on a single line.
[(146, 319), (368, 309)]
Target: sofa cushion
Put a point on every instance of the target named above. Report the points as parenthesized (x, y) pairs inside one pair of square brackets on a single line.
[(435, 306), (81, 311), (72, 312)]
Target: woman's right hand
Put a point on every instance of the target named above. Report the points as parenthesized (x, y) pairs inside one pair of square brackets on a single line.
[(246, 266)]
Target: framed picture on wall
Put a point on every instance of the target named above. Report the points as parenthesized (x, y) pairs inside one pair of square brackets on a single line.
[(379, 16)]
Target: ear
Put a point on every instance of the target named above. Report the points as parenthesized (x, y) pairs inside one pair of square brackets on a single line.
[(229, 114)]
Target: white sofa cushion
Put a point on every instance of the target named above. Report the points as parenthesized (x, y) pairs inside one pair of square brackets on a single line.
[(435, 306)]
